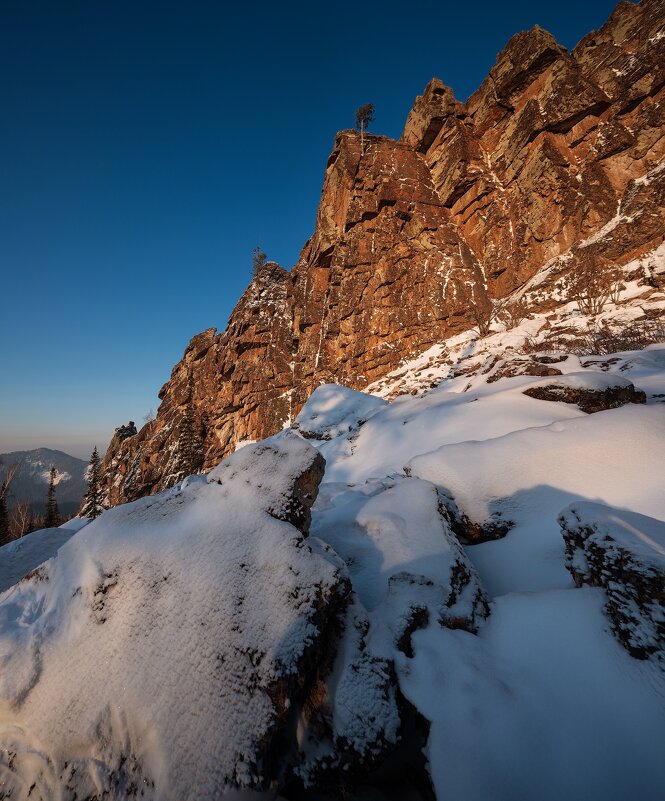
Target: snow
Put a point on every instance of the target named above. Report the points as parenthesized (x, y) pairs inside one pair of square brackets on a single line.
[(409, 426), (528, 476), (543, 702), (332, 410), (385, 529), (641, 536), (59, 476), (20, 557), (146, 649), (595, 382)]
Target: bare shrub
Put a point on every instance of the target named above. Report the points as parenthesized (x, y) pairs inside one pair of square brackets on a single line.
[(513, 313), (592, 283), (607, 338), (482, 317), (20, 519)]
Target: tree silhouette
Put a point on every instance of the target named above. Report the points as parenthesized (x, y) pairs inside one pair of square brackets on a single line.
[(93, 498), (258, 260), (364, 115), (52, 517), (4, 517)]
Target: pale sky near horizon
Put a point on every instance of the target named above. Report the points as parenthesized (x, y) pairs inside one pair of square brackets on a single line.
[(147, 147)]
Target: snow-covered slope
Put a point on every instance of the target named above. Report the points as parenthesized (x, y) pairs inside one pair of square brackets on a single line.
[(158, 652), (196, 640), (542, 702), (19, 557)]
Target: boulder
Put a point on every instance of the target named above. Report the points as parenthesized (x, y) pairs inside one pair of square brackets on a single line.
[(592, 392), (624, 553), (166, 648)]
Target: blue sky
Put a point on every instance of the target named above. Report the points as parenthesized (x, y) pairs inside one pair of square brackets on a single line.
[(147, 147)]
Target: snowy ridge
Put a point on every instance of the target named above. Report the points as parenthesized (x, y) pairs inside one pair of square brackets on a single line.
[(196, 641)]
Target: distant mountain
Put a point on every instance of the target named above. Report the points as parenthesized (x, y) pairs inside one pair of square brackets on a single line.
[(31, 480)]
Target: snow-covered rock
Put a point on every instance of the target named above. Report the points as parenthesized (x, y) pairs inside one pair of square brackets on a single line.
[(624, 553), (332, 410), (160, 653), (525, 478), (590, 391)]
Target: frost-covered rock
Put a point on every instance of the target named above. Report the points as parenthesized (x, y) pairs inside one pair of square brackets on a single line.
[(408, 572), (624, 553), (392, 534), (592, 392), (161, 651), (281, 471), (333, 410)]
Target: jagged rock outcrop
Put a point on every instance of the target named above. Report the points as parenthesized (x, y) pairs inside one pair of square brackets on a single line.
[(554, 163), (624, 553)]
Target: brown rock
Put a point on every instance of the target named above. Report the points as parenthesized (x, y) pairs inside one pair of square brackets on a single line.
[(589, 400), (556, 155)]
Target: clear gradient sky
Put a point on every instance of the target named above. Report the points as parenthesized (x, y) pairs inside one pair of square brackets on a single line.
[(147, 147)]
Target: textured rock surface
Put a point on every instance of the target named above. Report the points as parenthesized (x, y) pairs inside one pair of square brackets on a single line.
[(624, 553), (589, 400), (553, 164)]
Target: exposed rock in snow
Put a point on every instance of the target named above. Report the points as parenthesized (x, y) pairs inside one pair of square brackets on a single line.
[(161, 652), (624, 553), (591, 392), (408, 571)]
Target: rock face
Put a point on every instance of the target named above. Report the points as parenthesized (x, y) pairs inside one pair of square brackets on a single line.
[(555, 163), (624, 553)]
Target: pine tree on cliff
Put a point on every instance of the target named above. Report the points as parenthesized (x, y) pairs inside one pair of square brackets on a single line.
[(93, 497), (364, 115), (52, 516), (258, 260), (191, 456)]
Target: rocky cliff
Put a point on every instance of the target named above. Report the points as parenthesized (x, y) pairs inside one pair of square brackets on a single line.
[(554, 163)]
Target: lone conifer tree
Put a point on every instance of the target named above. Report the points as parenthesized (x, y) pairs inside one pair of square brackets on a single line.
[(52, 516), (258, 260), (364, 115), (93, 497)]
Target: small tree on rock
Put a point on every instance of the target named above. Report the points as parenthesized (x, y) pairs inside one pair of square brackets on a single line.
[(93, 497), (258, 260), (364, 115), (52, 517)]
